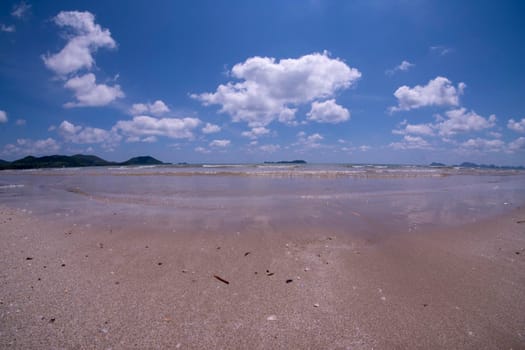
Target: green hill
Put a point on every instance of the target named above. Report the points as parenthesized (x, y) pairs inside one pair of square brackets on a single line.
[(77, 160)]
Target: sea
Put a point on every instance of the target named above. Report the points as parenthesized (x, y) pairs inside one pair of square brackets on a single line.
[(364, 199)]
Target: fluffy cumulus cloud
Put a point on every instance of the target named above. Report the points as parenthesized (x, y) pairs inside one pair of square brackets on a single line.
[(256, 132), (87, 135), (403, 67), (156, 108), (518, 126), (145, 126), (484, 145), (3, 117), (33, 147), (270, 90), (210, 128), (88, 93), (306, 141), (328, 112), (437, 92), (220, 143), (84, 38), (460, 121), (411, 142)]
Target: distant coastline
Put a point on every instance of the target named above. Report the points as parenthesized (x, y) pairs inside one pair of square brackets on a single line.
[(81, 160), (77, 160)]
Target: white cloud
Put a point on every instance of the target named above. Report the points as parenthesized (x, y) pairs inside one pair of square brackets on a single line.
[(256, 132), (148, 126), (416, 129), (518, 126), (403, 66), (156, 108), (437, 92), (364, 148), (484, 145), (328, 112), (85, 37), (202, 150), (441, 50), (3, 117), (7, 29), (411, 142), (309, 141), (220, 143), (31, 147), (270, 89), (269, 148), (211, 128), (20, 122), (88, 93), (460, 121), (86, 135), (517, 145), (21, 10)]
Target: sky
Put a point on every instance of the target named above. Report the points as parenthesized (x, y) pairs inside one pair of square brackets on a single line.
[(363, 81)]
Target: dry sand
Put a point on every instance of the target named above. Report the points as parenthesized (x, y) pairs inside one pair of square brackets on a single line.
[(78, 287)]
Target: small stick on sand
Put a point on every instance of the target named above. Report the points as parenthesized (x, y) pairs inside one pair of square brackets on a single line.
[(221, 279)]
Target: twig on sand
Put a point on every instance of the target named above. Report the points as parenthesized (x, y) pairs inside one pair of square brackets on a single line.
[(221, 279)]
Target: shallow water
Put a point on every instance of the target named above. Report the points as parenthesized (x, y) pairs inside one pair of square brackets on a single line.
[(364, 199)]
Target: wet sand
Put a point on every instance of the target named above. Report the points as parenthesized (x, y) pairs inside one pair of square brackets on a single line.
[(82, 287)]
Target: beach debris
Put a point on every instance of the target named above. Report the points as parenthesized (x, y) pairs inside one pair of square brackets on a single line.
[(306, 269), (63, 265), (159, 263), (184, 271), (52, 320), (520, 222), (517, 253), (316, 305), (271, 318), (270, 273), (355, 213), (221, 279), (29, 258), (289, 280), (247, 253)]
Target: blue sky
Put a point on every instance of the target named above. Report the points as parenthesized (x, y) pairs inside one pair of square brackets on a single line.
[(238, 81)]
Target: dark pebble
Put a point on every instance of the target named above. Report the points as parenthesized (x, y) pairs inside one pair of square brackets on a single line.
[(63, 265), (289, 281), (517, 253), (29, 258), (51, 320), (159, 263)]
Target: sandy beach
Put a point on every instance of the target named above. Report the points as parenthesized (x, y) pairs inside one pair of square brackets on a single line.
[(67, 286)]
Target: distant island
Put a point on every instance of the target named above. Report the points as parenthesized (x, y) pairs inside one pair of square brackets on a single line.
[(477, 166), (75, 161), (297, 161)]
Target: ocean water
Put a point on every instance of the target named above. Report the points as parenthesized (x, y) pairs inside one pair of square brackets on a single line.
[(362, 199)]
